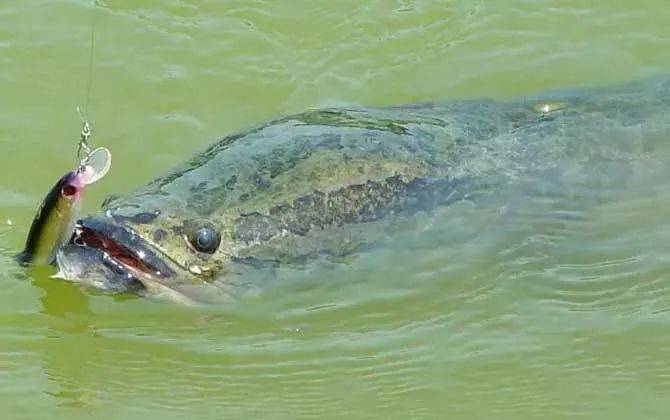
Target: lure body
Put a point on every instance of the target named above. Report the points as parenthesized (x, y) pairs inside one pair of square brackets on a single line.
[(54, 222)]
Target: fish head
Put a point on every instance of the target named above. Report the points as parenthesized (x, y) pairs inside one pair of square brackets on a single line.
[(146, 248)]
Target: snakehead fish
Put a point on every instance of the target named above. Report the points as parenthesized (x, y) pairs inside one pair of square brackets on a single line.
[(325, 181)]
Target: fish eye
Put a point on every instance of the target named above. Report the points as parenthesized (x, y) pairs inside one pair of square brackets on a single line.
[(69, 190), (205, 239)]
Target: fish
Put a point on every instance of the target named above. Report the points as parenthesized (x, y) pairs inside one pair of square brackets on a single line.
[(326, 181), (55, 220)]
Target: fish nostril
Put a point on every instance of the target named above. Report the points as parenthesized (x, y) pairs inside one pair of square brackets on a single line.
[(145, 218), (159, 235)]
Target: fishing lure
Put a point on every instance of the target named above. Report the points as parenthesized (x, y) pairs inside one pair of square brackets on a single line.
[(55, 221), (56, 217)]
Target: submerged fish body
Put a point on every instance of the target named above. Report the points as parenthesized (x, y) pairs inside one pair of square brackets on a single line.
[(325, 181)]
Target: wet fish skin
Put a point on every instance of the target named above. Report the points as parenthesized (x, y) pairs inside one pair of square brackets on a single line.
[(326, 181)]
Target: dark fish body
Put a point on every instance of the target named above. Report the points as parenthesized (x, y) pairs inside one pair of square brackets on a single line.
[(324, 181)]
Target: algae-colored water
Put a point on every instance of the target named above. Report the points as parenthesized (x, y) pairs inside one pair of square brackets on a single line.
[(546, 310)]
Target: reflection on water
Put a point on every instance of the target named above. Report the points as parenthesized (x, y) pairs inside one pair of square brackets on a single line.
[(546, 298), (60, 299)]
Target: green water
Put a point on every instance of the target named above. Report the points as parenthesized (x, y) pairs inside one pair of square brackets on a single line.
[(536, 308)]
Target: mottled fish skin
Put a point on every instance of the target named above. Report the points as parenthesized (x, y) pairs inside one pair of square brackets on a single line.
[(294, 187)]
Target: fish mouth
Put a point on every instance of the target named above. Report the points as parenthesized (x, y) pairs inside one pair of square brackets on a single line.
[(120, 249)]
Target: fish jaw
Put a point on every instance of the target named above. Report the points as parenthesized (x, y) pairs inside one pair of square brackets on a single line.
[(89, 266), (114, 258)]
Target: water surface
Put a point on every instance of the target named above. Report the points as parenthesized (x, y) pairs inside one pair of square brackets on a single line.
[(540, 302)]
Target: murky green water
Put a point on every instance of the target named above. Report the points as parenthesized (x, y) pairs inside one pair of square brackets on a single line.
[(545, 306)]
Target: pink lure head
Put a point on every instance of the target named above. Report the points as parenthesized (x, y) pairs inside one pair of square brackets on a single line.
[(72, 186)]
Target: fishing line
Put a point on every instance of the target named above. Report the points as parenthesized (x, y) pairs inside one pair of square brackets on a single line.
[(83, 147), (92, 163), (89, 84)]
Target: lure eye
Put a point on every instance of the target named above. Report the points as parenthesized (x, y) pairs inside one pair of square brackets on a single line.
[(69, 190), (205, 239)]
